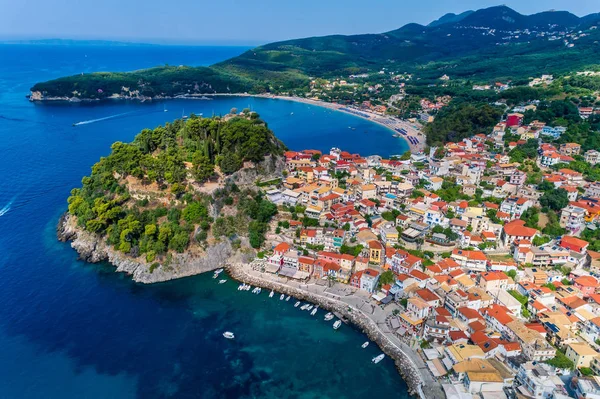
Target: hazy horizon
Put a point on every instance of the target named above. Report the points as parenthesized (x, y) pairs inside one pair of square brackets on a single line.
[(232, 22)]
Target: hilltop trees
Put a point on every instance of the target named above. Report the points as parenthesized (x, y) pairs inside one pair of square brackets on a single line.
[(458, 121)]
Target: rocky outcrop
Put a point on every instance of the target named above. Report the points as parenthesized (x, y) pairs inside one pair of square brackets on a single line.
[(269, 169), (93, 248), (406, 367)]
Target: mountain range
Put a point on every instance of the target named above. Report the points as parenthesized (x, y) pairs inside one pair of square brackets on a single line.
[(492, 43)]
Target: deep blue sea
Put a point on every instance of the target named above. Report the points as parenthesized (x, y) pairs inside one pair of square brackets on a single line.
[(74, 330)]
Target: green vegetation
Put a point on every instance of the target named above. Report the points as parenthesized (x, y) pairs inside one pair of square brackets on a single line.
[(458, 121), (162, 165), (561, 361)]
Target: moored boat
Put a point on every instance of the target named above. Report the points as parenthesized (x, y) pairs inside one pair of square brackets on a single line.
[(228, 335), (337, 324), (281, 297), (365, 345), (271, 294), (328, 316), (304, 307), (377, 359), (297, 304), (287, 298), (314, 311), (222, 281)]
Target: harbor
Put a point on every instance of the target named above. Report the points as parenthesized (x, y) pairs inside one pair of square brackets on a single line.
[(348, 308)]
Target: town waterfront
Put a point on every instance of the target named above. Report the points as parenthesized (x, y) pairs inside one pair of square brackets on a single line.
[(71, 330)]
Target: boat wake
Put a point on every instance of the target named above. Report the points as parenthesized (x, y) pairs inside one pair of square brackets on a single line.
[(6, 208), (101, 119)]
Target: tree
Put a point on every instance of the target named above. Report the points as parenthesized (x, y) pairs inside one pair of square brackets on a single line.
[(555, 199), (203, 168), (561, 361), (387, 277)]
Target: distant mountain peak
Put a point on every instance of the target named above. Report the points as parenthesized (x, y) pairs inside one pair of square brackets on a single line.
[(450, 18)]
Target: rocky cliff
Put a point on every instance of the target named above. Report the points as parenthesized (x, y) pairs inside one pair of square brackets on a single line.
[(93, 248)]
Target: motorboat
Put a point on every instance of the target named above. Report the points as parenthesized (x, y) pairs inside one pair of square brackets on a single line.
[(377, 359), (287, 298), (328, 316), (228, 335), (309, 307), (314, 312), (281, 297), (222, 281), (297, 304), (304, 307), (337, 324), (365, 345), (271, 294)]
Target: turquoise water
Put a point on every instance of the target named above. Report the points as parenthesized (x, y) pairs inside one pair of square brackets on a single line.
[(74, 330)]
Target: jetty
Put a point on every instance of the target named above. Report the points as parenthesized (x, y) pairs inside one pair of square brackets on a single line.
[(409, 364)]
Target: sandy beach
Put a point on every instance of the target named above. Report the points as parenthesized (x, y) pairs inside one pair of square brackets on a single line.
[(388, 122)]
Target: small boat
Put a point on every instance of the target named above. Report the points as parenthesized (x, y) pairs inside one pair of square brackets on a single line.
[(165, 108), (215, 275), (240, 287), (281, 297), (297, 304), (258, 290), (328, 316), (337, 324), (287, 298), (228, 335), (222, 281), (271, 294), (218, 271), (309, 307), (314, 311), (304, 307), (365, 345), (377, 359)]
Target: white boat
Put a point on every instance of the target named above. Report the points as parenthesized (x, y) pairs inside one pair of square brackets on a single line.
[(240, 287), (228, 335), (309, 307), (165, 108), (215, 275), (314, 311), (218, 271), (328, 316), (297, 304), (365, 345), (337, 324), (222, 281), (377, 359), (287, 298), (271, 294), (304, 307), (281, 297), (258, 290)]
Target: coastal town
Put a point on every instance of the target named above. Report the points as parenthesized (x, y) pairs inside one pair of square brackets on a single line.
[(483, 270)]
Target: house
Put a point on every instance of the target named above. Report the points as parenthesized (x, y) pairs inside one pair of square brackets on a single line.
[(537, 380), (514, 120), (581, 354), (366, 280), (471, 260), (586, 284), (572, 218), (515, 206), (376, 252), (592, 157), (516, 230), (569, 149)]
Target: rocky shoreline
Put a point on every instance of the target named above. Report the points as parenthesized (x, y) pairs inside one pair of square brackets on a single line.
[(92, 248), (405, 366)]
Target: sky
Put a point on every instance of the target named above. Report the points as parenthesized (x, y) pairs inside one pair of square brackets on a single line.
[(235, 21)]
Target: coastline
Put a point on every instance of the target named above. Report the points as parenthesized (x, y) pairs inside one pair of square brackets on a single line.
[(93, 250), (386, 122), (419, 381)]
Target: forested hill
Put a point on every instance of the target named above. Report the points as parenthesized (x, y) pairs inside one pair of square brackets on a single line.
[(493, 43), (150, 196)]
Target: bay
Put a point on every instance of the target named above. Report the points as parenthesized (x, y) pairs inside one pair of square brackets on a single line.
[(73, 330)]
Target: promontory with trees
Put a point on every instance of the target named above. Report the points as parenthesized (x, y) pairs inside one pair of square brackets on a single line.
[(180, 187)]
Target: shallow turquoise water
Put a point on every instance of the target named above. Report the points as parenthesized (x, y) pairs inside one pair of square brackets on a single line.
[(74, 330)]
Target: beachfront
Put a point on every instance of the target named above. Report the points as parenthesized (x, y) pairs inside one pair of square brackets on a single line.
[(405, 130)]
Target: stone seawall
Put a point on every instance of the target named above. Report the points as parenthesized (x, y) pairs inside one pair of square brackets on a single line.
[(406, 367)]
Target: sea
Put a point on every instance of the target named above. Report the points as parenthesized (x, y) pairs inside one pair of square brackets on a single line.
[(69, 329)]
